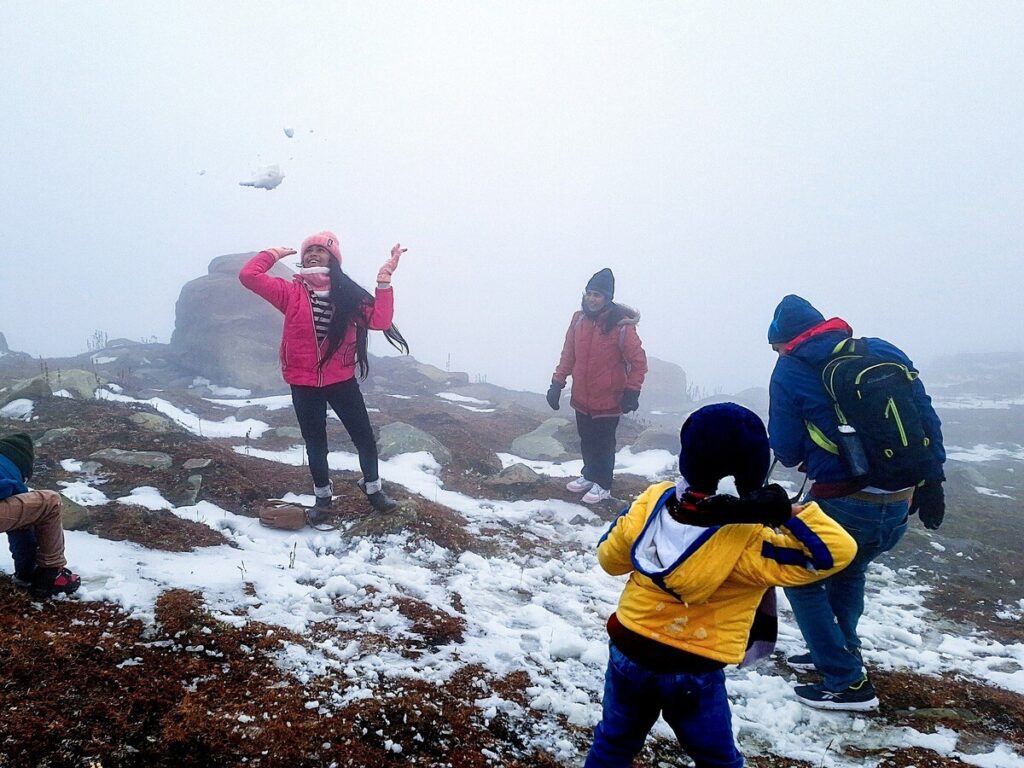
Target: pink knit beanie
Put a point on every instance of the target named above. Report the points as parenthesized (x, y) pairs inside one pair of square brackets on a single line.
[(325, 239)]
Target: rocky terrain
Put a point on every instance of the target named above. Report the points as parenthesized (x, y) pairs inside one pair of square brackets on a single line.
[(467, 628)]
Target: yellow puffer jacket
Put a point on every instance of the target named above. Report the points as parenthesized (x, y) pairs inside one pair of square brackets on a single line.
[(704, 601)]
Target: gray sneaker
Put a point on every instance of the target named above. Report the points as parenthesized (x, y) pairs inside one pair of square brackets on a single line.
[(859, 697)]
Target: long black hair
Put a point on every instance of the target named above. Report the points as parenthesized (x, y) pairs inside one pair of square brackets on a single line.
[(350, 301)]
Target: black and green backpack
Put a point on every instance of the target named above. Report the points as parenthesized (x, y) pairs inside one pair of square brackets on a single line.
[(875, 396)]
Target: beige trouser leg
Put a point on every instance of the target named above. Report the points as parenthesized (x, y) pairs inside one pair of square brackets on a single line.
[(40, 510)]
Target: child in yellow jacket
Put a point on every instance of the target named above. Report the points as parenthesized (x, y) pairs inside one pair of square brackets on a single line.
[(699, 566)]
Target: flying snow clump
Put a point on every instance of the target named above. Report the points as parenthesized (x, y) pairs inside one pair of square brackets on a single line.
[(265, 178)]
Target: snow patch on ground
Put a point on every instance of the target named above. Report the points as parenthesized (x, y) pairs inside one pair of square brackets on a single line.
[(975, 403), (989, 492), (984, 452), (654, 464), (83, 493), (452, 397), (230, 427), (18, 410), (148, 497), (271, 403)]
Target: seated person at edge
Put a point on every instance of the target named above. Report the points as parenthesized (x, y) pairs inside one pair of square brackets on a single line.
[(33, 522), (702, 568)]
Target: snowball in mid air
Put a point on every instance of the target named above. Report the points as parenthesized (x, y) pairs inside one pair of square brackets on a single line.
[(265, 178)]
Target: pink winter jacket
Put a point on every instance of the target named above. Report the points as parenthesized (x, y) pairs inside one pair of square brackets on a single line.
[(300, 353)]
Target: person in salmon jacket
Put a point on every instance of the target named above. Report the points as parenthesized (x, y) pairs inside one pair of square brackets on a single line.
[(603, 354)]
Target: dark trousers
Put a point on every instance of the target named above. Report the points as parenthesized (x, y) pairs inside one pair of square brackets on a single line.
[(694, 705), (597, 444), (346, 401)]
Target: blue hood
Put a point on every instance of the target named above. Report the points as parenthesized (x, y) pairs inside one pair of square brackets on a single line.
[(793, 316)]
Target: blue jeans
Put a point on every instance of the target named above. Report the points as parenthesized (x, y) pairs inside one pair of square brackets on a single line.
[(694, 705), (23, 545), (827, 611)]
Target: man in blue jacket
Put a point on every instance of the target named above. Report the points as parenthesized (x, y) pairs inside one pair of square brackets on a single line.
[(803, 431)]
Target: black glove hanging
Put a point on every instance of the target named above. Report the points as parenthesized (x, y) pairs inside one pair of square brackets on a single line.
[(554, 394), (929, 502), (630, 400)]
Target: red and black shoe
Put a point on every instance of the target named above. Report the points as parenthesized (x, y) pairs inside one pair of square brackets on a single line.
[(47, 582)]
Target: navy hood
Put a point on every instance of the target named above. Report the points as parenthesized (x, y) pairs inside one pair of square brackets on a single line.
[(793, 316)]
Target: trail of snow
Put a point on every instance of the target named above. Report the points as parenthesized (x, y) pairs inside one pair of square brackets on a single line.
[(230, 427)]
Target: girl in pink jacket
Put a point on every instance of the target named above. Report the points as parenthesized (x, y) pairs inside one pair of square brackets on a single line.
[(326, 319)]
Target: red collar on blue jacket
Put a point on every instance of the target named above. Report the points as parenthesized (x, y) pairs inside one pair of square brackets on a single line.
[(832, 324)]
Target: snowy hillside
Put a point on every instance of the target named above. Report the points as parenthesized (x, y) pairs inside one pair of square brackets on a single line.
[(467, 630)]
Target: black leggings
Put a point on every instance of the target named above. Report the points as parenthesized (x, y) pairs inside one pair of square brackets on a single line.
[(346, 400), (597, 444)]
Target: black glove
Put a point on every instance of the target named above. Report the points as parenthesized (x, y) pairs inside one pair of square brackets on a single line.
[(768, 506), (929, 503), (630, 400), (554, 393)]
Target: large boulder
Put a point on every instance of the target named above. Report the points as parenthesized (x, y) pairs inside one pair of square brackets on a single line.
[(665, 387), (32, 389), (655, 439), (15, 363), (80, 383), (226, 333), (408, 376), (541, 444), (397, 438)]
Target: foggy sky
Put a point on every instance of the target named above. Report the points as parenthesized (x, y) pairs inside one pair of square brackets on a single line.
[(716, 156)]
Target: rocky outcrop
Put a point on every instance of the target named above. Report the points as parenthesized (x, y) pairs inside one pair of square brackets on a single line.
[(541, 444), (515, 474), (655, 439), (406, 375), (227, 333), (28, 390), (397, 438), (665, 387), (148, 459)]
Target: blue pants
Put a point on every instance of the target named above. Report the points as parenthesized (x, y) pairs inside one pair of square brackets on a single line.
[(597, 445), (23, 545), (827, 611), (694, 705)]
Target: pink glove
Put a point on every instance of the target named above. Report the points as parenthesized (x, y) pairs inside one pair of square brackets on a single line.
[(280, 253), (384, 276)]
